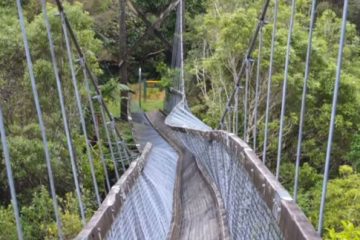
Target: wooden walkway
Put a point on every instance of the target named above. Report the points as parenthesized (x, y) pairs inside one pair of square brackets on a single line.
[(199, 218), (198, 208)]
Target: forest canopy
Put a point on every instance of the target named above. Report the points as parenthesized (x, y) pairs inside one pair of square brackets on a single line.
[(217, 35), (218, 41)]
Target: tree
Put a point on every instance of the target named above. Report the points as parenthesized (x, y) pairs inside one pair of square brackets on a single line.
[(219, 45), (349, 232), (123, 56), (219, 40), (341, 204), (25, 142), (38, 219)]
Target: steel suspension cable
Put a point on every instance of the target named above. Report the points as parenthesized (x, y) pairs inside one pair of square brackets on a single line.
[(79, 107), (63, 112), (10, 177), (236, 110), (117, 143), (96, 126), (284, 90), (257, 92), (107, 134), (40, 118), (182, 77), (333, 115), (139, 83), (268, 97), (92, 77), (246, 96), (303, 98), (229, 121), (247, 55)]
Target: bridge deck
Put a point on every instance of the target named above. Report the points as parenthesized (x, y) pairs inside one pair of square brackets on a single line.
[(179, 189), (199, 213)]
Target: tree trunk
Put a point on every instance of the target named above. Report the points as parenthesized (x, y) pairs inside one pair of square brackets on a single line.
[(123, 56)]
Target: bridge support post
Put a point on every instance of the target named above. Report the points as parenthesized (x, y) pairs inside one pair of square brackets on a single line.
[(139, 87)]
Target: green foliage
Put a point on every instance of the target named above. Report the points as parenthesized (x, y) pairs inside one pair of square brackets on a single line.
[(167, 75), (349, 232), (72, 224), (307, 179), (38, 218), (354, 154), (345, 171), (219, 45), (341, 204), (153, 105), (219, 40), (7, 224), (25, 141), (16, 91), (111, 89)]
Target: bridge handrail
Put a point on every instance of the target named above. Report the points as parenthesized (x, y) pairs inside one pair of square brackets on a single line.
[(291, 220), (101, 222)]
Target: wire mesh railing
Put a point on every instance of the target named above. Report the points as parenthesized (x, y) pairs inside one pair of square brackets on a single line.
[(111, 146), (96, 152), (232, 109)]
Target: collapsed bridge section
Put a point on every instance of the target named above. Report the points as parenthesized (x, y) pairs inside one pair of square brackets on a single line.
[(195, 183)]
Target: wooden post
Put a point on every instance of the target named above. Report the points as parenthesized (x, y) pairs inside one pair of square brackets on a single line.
[(140, 88), (145, 90)]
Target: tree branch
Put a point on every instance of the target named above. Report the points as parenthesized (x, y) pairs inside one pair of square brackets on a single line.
[(148, 24), (156, 24)]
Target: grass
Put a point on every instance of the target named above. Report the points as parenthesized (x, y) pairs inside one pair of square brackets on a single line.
[(154, 99), (153, 105), (114, 107)]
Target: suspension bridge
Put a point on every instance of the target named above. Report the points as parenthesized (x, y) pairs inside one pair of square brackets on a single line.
[(189, 181)]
